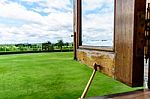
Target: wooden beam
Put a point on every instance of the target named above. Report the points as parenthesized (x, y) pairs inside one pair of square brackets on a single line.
[(129, 41)]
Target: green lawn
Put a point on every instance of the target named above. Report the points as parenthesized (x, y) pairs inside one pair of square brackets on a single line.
[(50, 76)]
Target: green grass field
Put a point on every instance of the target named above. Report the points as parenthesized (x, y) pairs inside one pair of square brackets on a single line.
[(50, 76)]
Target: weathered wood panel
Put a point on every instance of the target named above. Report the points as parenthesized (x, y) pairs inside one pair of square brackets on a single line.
[(105, 59), (129, 46), (139, 36), (124, 40)]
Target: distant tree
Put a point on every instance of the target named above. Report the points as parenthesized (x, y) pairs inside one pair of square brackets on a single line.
[(48, 42), (60, 44), (66, 44), (48, 46)]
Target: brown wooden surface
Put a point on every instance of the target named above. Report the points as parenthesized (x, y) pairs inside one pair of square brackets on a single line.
[(129, 47), (97, 48), (79, 23), (74, 29), (139, 37), (148, 44), (140, 94)]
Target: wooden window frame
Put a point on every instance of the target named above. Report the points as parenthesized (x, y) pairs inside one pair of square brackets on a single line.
[(79, 30)]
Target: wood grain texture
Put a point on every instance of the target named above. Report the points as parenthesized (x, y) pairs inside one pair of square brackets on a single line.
[(129, 49), (139, 36), (139, 94)]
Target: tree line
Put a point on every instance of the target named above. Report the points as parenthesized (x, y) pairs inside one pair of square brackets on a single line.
[(46, 46)]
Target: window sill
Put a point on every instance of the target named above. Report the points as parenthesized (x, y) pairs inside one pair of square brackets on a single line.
[(98, 48)]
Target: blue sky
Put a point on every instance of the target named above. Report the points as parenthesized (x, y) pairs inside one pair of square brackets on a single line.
[(36, 21)]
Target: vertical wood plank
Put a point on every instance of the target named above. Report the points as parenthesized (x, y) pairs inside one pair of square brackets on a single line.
[(74, 29), (129, 46), (79, 23), (139, 36)]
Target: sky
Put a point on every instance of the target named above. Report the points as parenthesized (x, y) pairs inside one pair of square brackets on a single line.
[(98, 22), (37, 21)]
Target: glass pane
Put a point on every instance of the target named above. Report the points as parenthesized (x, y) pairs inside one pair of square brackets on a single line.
[(97, 22)]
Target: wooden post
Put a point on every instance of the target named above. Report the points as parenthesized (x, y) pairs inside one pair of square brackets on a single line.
[(148, 44), (129, 41), (74, 30)]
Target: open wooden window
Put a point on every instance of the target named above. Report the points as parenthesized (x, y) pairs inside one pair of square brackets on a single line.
[(124, 61)]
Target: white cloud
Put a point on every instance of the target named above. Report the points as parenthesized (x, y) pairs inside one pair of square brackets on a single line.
[(98, 22), (18, 12), (94, 4), (54, 6), (32, 0), (43, 20), (35, 27)]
